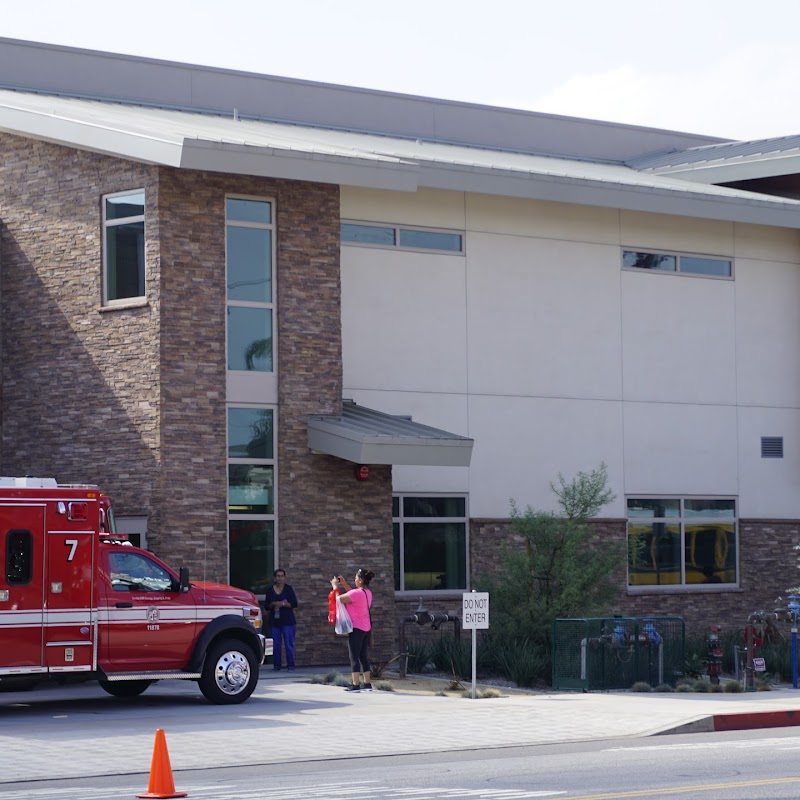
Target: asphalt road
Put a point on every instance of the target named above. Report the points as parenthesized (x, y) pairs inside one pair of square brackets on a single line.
[(752, 765)]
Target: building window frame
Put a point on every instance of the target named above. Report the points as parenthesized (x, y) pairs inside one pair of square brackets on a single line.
[(394, 235), (681, 529), (264, 349), (239, 517), (682, 263), (402, 520), (110, 293)]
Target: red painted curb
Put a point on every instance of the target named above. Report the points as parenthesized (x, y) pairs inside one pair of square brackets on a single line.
[(756, 719)]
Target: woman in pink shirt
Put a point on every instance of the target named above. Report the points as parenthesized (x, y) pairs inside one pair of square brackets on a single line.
[(358, 602)]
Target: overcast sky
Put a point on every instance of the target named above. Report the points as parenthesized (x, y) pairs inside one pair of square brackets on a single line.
[(727, 68)]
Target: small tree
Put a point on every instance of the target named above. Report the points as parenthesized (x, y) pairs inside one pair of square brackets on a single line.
[(557, 572)]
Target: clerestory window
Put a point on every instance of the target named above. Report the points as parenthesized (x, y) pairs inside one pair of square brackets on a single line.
[(704, 266)]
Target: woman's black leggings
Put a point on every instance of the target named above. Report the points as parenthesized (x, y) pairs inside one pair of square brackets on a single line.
[(358, 645)]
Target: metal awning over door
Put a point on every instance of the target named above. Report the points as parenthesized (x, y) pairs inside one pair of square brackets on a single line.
[(365, 436)]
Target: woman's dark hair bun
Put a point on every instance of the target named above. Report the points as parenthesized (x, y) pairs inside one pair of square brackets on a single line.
[(366, 576)]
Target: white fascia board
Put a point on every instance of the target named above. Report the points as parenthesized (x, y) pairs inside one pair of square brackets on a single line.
[(88, 136), (582, 191), (744, 170), (297, 165)]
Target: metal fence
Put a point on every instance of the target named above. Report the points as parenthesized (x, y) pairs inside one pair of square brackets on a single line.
[(614, 653)]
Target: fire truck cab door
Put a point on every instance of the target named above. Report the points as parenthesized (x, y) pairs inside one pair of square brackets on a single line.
[(70, 618), (151, 625), (21, 588)]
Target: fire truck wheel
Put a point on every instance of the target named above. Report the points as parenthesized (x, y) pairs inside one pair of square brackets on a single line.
[(124, 688), (230, 672)]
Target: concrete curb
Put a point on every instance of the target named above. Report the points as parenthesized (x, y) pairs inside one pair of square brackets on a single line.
[(756, 719), (741, 721)]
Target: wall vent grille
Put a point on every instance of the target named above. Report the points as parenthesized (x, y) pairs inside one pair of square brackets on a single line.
[(772, 447)]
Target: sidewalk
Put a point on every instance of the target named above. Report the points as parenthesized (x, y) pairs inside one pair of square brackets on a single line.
[(289, 719), (600, 714)]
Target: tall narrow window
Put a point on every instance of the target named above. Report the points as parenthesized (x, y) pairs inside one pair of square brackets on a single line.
[(251, 496), (248, 256), (123, 246)]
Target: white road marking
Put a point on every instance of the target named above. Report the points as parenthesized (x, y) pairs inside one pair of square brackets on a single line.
[(371, 789), (791, 743)]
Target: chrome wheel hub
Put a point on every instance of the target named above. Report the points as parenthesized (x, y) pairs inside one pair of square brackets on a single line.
[(232, 672)]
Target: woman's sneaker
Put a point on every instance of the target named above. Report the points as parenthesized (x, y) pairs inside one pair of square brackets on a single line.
[(354, 688), (367, 687)]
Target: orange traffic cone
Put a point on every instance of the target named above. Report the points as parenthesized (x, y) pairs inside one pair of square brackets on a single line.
[(161, 783)]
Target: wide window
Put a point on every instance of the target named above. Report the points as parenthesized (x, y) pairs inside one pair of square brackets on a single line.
[(430, 543), (251, 496), (123, 246), (675, 262), (397, 236), (250, 291), (681, 541)]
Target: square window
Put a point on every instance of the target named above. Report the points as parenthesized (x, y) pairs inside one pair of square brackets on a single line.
[(250, 489), (250, 433), (434, 556)]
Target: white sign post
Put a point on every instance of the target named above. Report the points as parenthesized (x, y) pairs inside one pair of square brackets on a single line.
[(475, 616)]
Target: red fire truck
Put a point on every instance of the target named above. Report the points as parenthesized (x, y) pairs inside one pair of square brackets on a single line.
[(78, 602)]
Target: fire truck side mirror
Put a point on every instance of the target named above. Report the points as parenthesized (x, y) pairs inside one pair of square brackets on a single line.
[(184, 579)]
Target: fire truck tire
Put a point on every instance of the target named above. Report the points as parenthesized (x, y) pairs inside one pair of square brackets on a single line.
[(230, 672), (124, 688)]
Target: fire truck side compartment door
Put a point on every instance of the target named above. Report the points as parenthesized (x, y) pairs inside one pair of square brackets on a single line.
[(21, 587), (69, 614)]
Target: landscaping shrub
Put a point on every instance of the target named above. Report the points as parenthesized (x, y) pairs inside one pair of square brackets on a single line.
[(419, 655), (522, 661), (452, 656)]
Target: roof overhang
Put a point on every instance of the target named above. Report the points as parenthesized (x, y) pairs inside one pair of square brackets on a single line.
[(365, 436), (193, 140)]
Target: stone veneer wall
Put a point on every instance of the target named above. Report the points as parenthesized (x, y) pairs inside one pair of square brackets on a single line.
[(327, 521), (80, 386), (134, 399), (768, 566)]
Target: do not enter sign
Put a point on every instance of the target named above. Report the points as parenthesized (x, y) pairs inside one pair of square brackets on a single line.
[(476, 610)]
